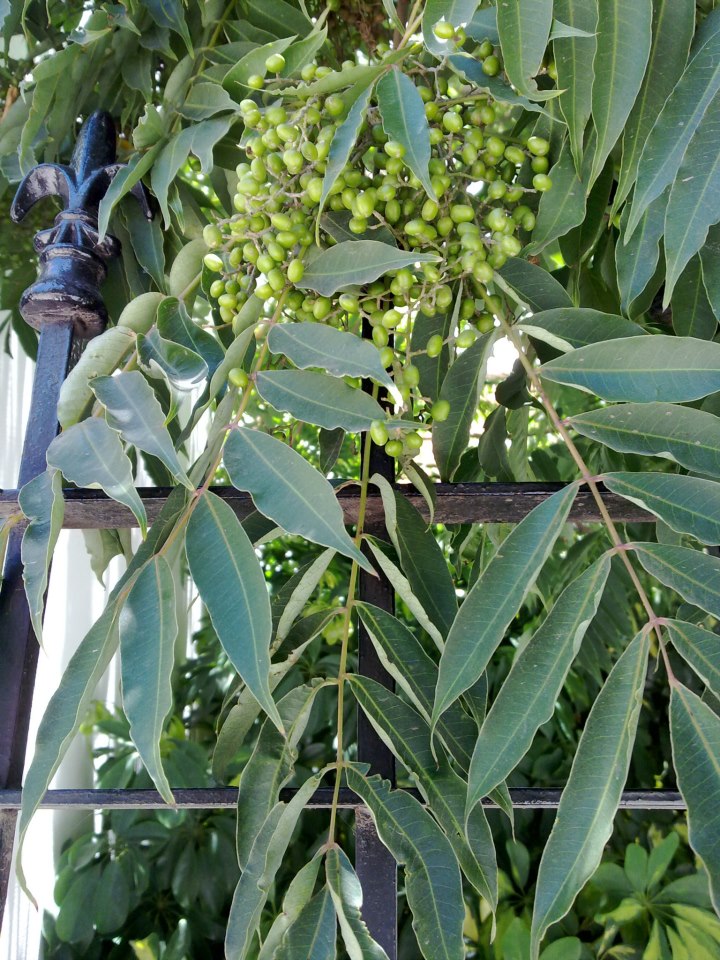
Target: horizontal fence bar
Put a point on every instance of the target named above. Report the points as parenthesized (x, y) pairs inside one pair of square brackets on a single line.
[(220, 798), (456, 503)]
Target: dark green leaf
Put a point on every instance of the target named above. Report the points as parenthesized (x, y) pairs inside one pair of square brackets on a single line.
[(687, 504), (170, 14), (330, 443), (561, 208), (692, 315), (694, 575), (174, 323), (710, 258), (637, 259), (524, 30), (252, 64), (205, 100), (318, 398), (572, 56), (356, 262), (346, 892), (41, 500), (572, 327), (313, 932), (162, 358), (456, 12), (538, 288), (298, 893), (402, 111), (342, 145)]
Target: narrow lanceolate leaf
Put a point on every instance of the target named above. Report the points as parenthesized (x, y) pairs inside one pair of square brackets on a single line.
[(584, 820), (232, 586), (432, 877), (535, 681), (692, 313), (641, 369), (403, 118), (301, 592), (319, 399), (573, 54), (356, 262), (341, 147), (456, 12), (678, 120), (313, 933), (710, 259), (496, 597), (346, 892), (573, 327), (41, 501), (694, 575), (336, 352), (298, 894), (407, 735), (263, 864), (148, 632), (538, 288), (524, 30), (624, 34), (689, 437), (695, 734), (271, 765), (700, 648), (91, 454), (561, 208), (460, 388), (135, 412), (288, 490), (672, 29), (637, 259), (687, 504), (694, 197)]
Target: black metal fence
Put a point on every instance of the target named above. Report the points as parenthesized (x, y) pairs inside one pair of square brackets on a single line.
[(61, 308)]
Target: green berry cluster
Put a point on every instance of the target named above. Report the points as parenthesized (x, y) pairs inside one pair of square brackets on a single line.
[(484, 183)]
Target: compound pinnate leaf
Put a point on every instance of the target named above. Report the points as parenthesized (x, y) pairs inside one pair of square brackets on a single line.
[(687, 504), (356, 262), (590, 799), (403, 118)]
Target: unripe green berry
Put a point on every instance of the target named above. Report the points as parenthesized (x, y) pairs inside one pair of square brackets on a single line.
[(434, 345), (440, 410), (444, 30), (394, 149), (538, 146), (238, 378), (466, 338), (485, 323), (413, 440), (542, 182), (483, 272), (213, 262), (491, 66), (380, 336), (485, 49), (295, 271), (255, 82), (462, 213), (212, 235), (323, 306), (411, 375), (391, 318), (394, 448), (334, 105), (275, 63), (349, 303), (378, 432), (387, 356), (452, 122)]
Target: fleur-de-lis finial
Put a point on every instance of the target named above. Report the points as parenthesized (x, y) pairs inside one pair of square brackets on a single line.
[(72, 253)]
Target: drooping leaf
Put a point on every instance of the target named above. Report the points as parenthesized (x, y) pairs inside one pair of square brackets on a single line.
[(318, 398), (184, 368), (356, 262), (232, 586), (456, 12), (340, 149), (498, 88), (174, 323), (572, 56), (460, 388), (637, 259), (689, 437), (695, 734), (699, 648), (205, 100), (148, 630), (135, 412), (694, 575), (710, 259), (344, 887), (235, 356), (538, 288), (687, 504), (336, 224), (402, 111), (41, 500), (570, 328), (301, 593), (641, 369), (288, 490), (298, 893), (330, 443), (91, 454), (302, 52), (524, 30), (432, 369), (102, 356), (692, 314), (677, 121), (535, 681), (432, 878), (170, 14), (561, 208), (496, 596), (672, 29), (584, 820), (271, 766), (313, 932)]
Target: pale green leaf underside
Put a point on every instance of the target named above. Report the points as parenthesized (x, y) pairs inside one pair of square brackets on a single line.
[(687, 504), (356, 262), (346, 892), (694, 575), (41, 501), (569, 328), (403, 118), (318, 398), (700, 648), (313, 932)]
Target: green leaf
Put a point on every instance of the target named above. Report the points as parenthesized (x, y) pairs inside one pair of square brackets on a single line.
[(407, 735), (146, 238), (572, 56), (41, 500), (205, 100), (313, 933), (301, 593), (330, 443), (271, 766), (236, 353), (263, 864), (162, 358), (298, 893), (253, 63), (402, 112), (174, 323), (432, 369), (318, 398), (637, 259), (678, 120), (346, 892), (432, 878), (694, 575), (572, 327), (148, 632), (694, 198), (288, 490), (710, 259), (538, 288), (135, 412), (483, 26), (111, 903), (461, 388), (699, 648), (561, 208), (496, 87), (524, 30), (102, 355), (170, 14), (226, 571), (496, 597), (341, 147), (672, 30), (302, 52), (689, 437), (336, 224), (90, 454), (456, 12), (687, 504), (695, 734), (535, 681), (356, 262), (584, 820), (692, 315), (641, 369)]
